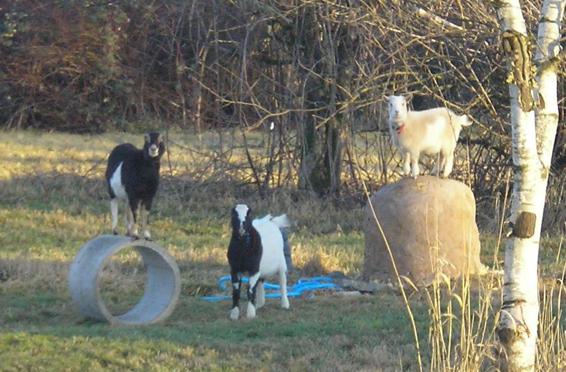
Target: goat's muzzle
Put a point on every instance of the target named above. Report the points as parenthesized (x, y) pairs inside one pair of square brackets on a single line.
[(153, 151)]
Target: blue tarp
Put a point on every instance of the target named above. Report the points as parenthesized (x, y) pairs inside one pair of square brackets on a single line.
[(272, 290)]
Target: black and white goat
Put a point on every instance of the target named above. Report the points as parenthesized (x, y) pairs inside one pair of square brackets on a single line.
[(257, 249), (133, 175)]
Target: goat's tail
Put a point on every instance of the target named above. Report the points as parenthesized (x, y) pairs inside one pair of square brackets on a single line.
[(281, 221)]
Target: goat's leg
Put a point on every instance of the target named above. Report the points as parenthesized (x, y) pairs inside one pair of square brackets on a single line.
[(436, 169), (145, 219), (415, 171), (407, 164), (127, 214), (142, 219), (236, 285), (114, 213), (252, 287), (439, 164), (283, 289), (448, 165), (260, 294), (132, 226)]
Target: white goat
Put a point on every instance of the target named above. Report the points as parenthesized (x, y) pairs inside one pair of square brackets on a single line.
[(432, 132)]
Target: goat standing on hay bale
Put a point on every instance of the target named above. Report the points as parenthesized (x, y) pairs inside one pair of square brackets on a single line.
[(256, 248), (133, 175), (434, 131)]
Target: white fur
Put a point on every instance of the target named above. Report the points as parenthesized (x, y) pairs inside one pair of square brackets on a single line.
[(146, 234), (242, 211), (120, 194), (273, 259), (114, 212), (281, 221), (235, 313), (283, 285), (116, 183), (260, 295), (250, 312), (144, 214), (153, 151), (431, 132)]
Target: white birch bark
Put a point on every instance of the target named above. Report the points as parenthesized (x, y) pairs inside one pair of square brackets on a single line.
[(533, 140), (547, 52)]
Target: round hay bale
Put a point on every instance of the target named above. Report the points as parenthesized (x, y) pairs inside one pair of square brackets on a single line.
[(429, 224), (162, 286)]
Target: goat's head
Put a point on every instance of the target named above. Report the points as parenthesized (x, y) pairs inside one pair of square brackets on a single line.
[(397, 111), (241, 219), (153, 147)]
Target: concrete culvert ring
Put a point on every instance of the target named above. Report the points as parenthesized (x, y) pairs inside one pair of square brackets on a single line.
[(162, 284)]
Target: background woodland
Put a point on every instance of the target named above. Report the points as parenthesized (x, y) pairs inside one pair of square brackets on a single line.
[(316, 72)]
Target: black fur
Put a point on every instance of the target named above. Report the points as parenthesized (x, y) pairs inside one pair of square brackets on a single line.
[(244, 255), (140, 171)]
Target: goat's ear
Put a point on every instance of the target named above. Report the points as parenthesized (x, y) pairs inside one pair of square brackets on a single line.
[(146, 137)]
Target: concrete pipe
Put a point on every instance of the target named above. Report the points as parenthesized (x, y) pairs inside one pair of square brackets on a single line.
[(162, 286)]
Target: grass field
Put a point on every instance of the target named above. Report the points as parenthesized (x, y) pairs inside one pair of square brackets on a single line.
[(53, 199)]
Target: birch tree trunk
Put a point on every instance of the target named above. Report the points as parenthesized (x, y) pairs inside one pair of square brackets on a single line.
[(534, 120)]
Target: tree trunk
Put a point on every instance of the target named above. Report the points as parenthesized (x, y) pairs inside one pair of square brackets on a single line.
[(328, 55), (532, 143), (310, 168)]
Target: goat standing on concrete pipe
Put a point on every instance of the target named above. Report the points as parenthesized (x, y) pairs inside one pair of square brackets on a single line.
[(133, 175), (256, 248), (432, 132)]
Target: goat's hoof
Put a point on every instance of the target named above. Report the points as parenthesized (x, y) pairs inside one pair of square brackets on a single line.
[(235, 313), (148, 238), (114, 232), (250, 313), (133, 236), (285, 303)]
